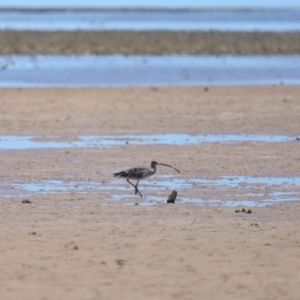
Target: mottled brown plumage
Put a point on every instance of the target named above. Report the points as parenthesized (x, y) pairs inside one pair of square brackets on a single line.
[(140, 173)]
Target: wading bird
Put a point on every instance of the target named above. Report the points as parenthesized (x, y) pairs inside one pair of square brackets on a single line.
[(140, 173)]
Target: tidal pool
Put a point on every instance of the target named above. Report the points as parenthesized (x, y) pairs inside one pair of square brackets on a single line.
[(121, 191), (106, 141)]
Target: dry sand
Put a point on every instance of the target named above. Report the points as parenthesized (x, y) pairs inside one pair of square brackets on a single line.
[(85, 246)]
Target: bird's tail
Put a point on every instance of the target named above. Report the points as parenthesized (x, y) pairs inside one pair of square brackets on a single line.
[(120, 174)]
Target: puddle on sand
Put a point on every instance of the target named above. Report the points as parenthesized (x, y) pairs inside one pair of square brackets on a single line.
[(274, 198), (224, 182), (55, 186), (113, 189), (106, 141)]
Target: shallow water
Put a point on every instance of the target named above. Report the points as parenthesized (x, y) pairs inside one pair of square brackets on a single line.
[(91, 141), (133, 70), (55, 186), (121, 191), (154, 3), (214, 203), (190, 20), (226, 182)]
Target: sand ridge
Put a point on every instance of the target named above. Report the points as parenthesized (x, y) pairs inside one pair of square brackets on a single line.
[(148, 43)]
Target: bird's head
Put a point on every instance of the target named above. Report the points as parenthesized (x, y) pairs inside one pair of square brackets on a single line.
[(155, 163)]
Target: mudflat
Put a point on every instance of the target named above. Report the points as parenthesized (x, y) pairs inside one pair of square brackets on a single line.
[(89, 246)]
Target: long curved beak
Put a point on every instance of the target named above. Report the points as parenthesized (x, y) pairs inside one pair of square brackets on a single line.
[(169, 167)]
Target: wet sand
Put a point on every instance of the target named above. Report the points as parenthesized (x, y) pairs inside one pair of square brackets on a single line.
[(270, 110), (85, 246), (149, 42)]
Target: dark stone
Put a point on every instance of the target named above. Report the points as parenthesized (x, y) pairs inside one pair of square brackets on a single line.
[(120, 262), (172, 197), (26, 201)]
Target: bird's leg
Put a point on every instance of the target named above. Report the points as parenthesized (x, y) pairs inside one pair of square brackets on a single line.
[(137, 190), (135, 187), (131, 183)]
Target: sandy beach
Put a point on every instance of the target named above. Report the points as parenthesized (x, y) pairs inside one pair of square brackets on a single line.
[(87, 246)]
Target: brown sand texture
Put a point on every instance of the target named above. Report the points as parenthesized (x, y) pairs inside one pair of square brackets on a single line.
[(76, 245), (149, 42)]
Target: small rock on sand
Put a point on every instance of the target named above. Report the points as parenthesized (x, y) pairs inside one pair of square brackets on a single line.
[(172, 197), (26, 201)]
